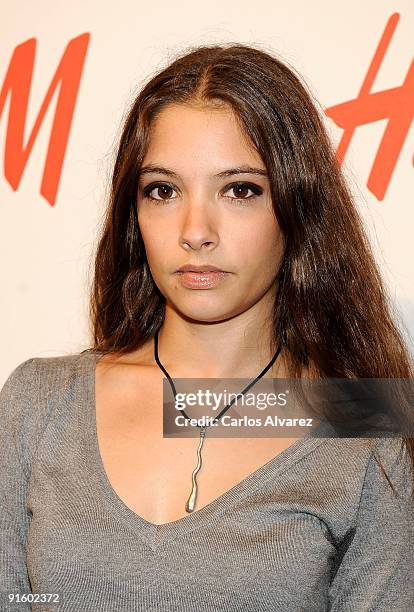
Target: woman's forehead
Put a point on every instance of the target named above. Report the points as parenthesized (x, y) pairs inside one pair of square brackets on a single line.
[(187, 136)]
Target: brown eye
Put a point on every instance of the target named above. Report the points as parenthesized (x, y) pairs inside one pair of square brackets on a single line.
[(241, 191), (163, 190)]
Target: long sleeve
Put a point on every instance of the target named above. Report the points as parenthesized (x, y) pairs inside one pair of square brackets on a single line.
[(377, 570), (16, 400)]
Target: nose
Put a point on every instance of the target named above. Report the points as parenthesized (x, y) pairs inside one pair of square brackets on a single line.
[(198, 227)]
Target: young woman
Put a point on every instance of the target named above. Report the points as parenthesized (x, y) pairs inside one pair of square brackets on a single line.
[(223, 162)]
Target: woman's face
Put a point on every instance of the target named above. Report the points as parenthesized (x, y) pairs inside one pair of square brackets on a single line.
[(194, 216)]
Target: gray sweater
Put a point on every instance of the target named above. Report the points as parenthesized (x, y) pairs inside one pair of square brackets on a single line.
[(316, 528)]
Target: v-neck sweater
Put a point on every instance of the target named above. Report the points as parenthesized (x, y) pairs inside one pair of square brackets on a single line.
[(316, 528)]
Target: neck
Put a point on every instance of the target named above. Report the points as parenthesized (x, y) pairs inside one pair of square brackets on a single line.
[(238, 347)]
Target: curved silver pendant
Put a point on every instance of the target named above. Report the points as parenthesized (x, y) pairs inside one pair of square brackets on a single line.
[(190, 505)]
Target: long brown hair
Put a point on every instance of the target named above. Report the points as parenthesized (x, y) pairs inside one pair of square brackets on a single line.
[(332, 311)]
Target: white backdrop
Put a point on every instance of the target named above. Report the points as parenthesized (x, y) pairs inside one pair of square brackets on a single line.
[(46, 250)]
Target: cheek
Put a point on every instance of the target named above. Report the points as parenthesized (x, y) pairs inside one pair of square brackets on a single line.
[(157, 241), (261, 249)]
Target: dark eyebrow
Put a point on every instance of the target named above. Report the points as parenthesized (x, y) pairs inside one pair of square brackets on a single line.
[(152, 169)]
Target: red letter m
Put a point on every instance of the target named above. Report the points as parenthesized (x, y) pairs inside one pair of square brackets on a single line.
[(17, 82)]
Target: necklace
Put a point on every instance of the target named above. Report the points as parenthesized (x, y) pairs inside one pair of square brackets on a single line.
[(190, 505)]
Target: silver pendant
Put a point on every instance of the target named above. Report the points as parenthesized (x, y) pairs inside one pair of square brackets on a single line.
[(190, 505)]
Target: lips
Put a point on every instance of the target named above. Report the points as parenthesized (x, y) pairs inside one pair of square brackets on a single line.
[(200, 269), (202, 280)]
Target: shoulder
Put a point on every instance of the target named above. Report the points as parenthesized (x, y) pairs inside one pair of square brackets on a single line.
[(34, 390), (390, 468), (392, 452), (360, 470), (35, 387), (381, 462), (40, 373)]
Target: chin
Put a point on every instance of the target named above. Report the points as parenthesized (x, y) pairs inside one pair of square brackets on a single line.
[(205, 310)]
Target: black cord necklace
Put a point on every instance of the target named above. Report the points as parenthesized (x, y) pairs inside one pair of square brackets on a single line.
[(190, 505)]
